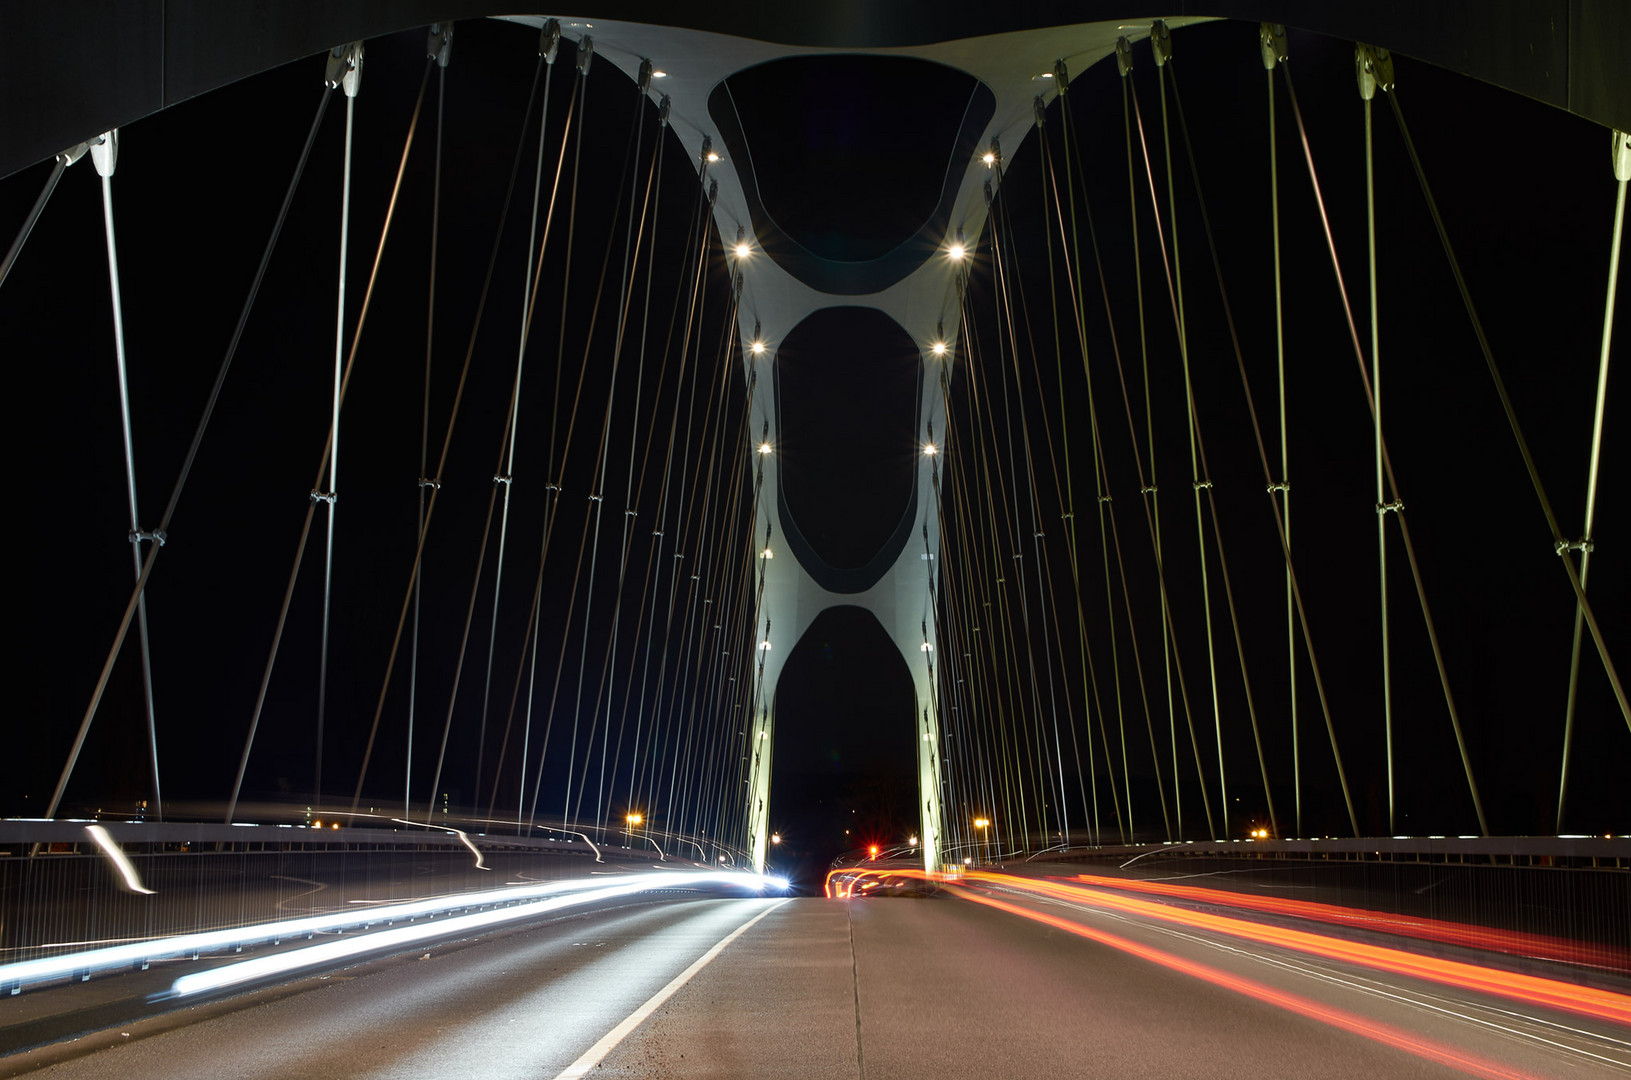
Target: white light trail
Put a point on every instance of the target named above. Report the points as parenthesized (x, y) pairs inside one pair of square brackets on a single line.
[(516, 903), (117, 857)]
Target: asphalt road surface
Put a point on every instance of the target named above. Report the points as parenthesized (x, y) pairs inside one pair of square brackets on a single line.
[(879, 987)]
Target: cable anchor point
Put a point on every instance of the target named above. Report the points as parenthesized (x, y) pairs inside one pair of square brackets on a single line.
[(1373, 68), (1271, 38), (586, 54), (549, 40), (1160, 42), (439, 43), (344, 68), (1124, 57)]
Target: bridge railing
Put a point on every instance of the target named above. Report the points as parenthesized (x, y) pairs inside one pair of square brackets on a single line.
[(70, 886)]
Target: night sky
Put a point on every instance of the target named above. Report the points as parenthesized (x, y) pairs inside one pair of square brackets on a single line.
[(1527, 195)]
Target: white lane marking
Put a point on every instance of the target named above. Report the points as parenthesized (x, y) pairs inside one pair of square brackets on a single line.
[(597, 1052)]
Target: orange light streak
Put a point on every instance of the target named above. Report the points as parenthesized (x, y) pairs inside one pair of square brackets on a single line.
[(1451, 933), (1529, 989), (1358, 1025)]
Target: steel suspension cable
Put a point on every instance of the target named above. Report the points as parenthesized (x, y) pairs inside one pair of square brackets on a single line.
[(192, 453), (1217, 528), (352, 59), (1151, 489), (1044, 577), (1387, 463), (1622, 156), (506, 475), (1175, 286), (105, 154), (1005, 271), (1074, 283), (1272, 42), (447, 438), (657, 565), (1330, 728), (631, 495), (323, 461), (1564, 547), (1280, 529), (1090, 689), (424, 423)]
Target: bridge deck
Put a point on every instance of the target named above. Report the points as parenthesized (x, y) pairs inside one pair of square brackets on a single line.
[(877, 987)]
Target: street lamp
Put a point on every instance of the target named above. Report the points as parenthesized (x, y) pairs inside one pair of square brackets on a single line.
[(982, 824)]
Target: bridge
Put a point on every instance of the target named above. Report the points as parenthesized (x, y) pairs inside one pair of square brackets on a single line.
[(817, 592)]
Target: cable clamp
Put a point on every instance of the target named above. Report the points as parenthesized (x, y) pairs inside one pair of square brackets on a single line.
[(439, 45), (656, 532), (596, 498), (1160, 42), (499, 478), (549, 40), (427, 482), (1397, 506), (344, 69), (1271, 38), (323, 496), (1203, 485), (1585, 546), (1038, 535), (157, 536), (1373, 68), (73, 153), (1104, 499), (631, 513), (1150, 489), (1068, 516), (1283, 486)]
